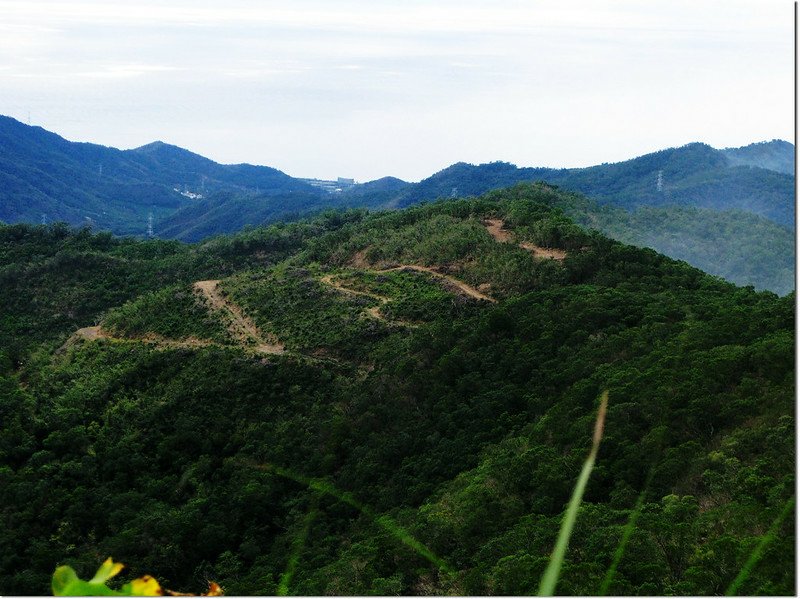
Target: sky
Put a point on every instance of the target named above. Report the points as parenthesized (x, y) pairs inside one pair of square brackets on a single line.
[(369, 88)]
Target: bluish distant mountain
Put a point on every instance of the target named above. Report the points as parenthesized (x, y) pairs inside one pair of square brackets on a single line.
[(755, 179), (776, 155), (45, 177)]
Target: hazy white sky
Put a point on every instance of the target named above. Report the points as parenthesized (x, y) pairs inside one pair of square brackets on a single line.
[(367, 88)]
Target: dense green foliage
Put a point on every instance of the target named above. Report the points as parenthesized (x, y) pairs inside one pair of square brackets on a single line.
[(376, 457), (176, 312), (743, 248)]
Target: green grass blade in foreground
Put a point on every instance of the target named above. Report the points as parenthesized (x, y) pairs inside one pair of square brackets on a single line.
[(297, 548), (758, 552), (626, 535), (550, 578), (384, 522)]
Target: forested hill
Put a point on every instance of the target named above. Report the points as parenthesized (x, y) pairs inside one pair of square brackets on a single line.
[(741, 247), (392, 403), (729, 212), (751, 179), (43, 176)]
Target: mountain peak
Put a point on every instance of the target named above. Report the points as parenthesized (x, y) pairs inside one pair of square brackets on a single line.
[(160, 147), (154, 145)]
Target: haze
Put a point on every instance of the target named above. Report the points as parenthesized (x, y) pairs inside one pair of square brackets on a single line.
[(371, 88)]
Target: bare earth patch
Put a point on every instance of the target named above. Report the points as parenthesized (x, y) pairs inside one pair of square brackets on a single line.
[(240, 326), (91, 333), (375, 311), (458, 286), (495, 228)]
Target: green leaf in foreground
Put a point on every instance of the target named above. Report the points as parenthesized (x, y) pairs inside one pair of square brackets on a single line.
[(547, 586), (67, 584)]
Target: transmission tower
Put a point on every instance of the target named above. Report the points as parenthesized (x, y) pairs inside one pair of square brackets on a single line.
[(150, 234), (660, 181)]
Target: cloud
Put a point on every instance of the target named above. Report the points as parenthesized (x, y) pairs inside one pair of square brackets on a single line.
[(400, 85), (403, 17)]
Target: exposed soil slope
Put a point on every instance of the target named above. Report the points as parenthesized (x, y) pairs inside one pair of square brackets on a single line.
[(452, 283), (240, 326), (495, 228), (375, 311)]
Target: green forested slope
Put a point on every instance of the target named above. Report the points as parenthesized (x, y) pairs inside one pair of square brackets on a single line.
[(404, 408), (54, 280), (740, 247), (776, 155)]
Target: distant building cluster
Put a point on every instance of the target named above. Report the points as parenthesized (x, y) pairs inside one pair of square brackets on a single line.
[(188, 194), (341, 184)]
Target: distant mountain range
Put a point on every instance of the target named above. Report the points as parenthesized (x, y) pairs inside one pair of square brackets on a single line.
[(730, 212), (45, 177), (757, 178)]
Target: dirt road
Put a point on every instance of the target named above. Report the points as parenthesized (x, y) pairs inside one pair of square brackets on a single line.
[(455, 283), (375, 311), (241, 328), (95, 333), (329, 280), (495, 228)]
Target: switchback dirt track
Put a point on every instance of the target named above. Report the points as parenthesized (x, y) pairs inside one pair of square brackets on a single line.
[(97, 332), (241, 328), (460, 286), (375, 311), (495, 228)]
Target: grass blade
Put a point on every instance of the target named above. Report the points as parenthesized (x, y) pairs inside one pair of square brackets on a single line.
[(297, 548), (384, 522), (758, 552), (626, 535), (547, 586)]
